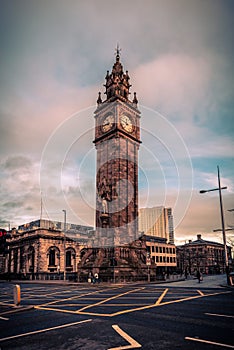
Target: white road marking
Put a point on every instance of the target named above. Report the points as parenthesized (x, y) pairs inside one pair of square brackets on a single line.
[(210, 342), (133, 343), (4, 318), (219, 315), (44, 330)]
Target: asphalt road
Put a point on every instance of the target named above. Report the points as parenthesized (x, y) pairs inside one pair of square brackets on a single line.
[(182, 315)]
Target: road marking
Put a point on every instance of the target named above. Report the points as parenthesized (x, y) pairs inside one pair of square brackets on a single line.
[(144, 307), (4, 318), (166, 303), (210, 342), (133, 343), (107, 299), (200, 292), (44, 330), (161, 297), (6, 304), (73, 297), (17, 309), (219, 315)]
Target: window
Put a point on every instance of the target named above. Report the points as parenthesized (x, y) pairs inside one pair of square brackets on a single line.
[(52, 257), (68, 258)]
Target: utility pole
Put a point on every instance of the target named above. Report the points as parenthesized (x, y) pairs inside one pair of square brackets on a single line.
[(64, 242)]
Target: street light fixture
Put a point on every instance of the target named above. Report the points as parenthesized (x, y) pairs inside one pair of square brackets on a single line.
[(64, 243), (222, 222), (218, 229)]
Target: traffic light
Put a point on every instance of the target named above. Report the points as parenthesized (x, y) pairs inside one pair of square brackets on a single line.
[(3, 243)]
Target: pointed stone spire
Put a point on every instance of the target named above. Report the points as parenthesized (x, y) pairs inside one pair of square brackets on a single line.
[(117, 82), (117, 53), (135, 100), (99, 100)]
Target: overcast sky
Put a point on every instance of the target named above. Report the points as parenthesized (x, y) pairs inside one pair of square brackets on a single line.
[(53, 60)]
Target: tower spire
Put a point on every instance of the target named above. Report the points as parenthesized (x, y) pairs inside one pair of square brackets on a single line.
[(117, 83), (117, 50)]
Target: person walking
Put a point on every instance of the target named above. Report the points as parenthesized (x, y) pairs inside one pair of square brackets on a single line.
[(199, 276)]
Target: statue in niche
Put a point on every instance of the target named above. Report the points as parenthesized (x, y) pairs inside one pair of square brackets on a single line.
[(104, 205)]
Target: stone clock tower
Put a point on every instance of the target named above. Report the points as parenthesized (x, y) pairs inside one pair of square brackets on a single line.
[(117, 140)]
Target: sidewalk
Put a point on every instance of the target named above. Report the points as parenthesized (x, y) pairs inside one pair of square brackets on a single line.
[(210, 281), (213, 281)]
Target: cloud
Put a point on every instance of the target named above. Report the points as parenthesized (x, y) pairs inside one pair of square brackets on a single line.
[(53, 62)]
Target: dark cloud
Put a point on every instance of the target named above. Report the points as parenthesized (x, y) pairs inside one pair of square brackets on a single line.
[(17, 162), (11, 205)]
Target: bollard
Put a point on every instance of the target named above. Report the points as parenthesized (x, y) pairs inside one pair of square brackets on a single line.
[(16, 293)]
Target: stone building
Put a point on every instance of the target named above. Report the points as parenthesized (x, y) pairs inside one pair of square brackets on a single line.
[(206, 256), (117, 142), (119, 250), (40, 250), (146, 258)]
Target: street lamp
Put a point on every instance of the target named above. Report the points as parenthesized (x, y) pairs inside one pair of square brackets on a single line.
[(64, 242), (222, 222)]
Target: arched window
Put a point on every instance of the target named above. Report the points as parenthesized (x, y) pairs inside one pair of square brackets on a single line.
[(68, 258), (52, 257), (31, 258)]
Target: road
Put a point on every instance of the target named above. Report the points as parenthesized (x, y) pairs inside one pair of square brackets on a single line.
[(181, 315)]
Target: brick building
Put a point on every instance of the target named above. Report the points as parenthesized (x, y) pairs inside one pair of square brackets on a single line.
[(204, 255)]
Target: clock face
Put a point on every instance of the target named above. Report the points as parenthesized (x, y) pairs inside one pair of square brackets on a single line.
[(108, 123), (126, 123)]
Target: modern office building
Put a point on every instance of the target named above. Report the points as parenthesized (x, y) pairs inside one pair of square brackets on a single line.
[(157, 222)]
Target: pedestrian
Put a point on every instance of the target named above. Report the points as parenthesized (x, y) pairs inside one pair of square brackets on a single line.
[(90, 277), (199, 276), (96, 277)]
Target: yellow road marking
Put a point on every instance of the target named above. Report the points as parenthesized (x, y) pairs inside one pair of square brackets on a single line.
[(210, 342), (200, 292), (150, 306), (161, 297), (133, 343), (165, 303), (27, 295), (111, 298), (6, 304), (73, 297), (72, 312), (44, 330)]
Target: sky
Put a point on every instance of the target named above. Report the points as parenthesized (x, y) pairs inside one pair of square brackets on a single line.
[(53, 60)]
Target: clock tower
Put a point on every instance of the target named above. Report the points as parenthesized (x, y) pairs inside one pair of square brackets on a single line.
[(117, 140)]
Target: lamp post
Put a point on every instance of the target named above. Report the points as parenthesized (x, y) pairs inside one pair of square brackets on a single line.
[(64, 242), (222, 222)]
